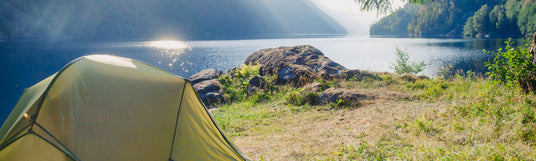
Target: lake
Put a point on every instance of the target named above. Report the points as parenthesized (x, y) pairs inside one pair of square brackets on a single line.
[(26, 63)]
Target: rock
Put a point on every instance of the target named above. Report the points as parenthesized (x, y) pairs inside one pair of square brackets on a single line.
[(231, 71), (207, 86), (207, 74), (255, 84), (210, 92), (212, 98), (256, 81), (333, 95), (423, 77), (295, 74), (312, 87), (296, 65)]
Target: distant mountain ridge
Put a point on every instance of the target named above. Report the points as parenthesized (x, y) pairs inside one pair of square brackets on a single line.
[(144, 19)]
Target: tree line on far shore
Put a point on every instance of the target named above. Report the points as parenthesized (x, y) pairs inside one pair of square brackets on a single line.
[(461, 19)]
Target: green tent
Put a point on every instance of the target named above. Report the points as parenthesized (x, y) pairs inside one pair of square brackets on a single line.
[(104, 108)]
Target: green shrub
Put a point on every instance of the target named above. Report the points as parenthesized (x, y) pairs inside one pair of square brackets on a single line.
[(235, 86), (247, 71), (425, 126), (340, 103), (298, 99), (259, 96), (325, 84), (513, 66), (402, 65), (230, 89)]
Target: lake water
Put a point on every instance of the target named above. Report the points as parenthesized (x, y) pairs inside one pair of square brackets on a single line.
[(26, 63)]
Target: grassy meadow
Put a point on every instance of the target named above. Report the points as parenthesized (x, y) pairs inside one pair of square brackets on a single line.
[(404, 117)]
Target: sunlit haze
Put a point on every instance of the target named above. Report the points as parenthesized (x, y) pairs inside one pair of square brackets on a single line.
[(348, 14)]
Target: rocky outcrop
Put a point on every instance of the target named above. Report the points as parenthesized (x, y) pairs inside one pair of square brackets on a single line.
[(207, 86), (296, 65), (343, 96)]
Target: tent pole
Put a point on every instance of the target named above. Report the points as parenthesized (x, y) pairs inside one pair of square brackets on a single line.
[(66, 150)]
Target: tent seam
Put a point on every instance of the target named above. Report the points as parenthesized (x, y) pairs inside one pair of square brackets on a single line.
[(41, 101), (17, 133), (177, 121), (52, 82), (11, 142)]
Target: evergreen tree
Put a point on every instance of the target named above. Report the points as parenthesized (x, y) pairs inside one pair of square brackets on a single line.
[(468, 30), (527, 19), (450, 18), (481, 21)]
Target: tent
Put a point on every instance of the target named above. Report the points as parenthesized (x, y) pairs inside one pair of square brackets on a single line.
[(102, 107)]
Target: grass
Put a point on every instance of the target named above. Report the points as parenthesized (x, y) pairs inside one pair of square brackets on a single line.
[(460, 118)]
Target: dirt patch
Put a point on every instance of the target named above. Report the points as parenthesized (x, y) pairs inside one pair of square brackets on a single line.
[(316, 134)]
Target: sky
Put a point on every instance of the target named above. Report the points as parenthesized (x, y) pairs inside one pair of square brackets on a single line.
[(348, 14)]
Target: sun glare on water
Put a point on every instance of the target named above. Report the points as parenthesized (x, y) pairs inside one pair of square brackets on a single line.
[(167, 45), (169, 48)]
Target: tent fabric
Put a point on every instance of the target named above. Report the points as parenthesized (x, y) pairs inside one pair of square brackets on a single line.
[(103, 107)]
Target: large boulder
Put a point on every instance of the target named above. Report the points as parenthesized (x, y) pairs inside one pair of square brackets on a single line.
[(296, 65), (336, 95)]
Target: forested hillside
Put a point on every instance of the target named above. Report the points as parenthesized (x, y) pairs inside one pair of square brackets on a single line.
[(141, 19), (461, 19)]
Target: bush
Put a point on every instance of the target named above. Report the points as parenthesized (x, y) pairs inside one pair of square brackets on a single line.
[(340, 103), (325, 84), (299, 99), (402, 66), (247, 71), (513, 66), (235, 85)]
